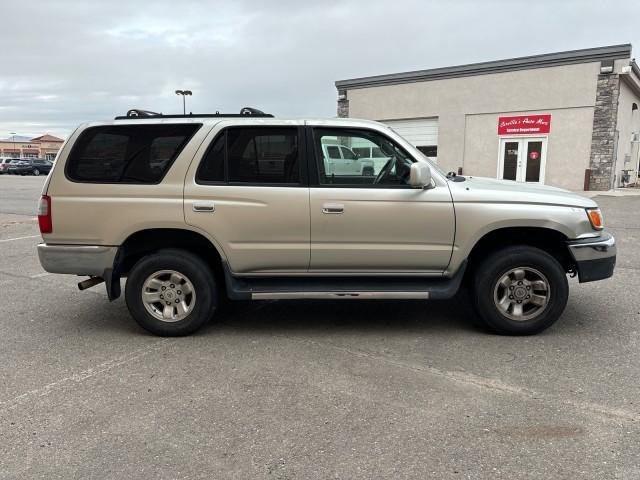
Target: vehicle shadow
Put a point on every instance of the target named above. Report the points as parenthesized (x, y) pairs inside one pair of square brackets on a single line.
[(290, 316), (346, 315)]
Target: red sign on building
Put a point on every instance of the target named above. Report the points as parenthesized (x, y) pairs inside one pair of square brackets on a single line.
[(524, 125)]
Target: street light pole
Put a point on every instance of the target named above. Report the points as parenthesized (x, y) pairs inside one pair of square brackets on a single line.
[(13, 140), (184, 93)]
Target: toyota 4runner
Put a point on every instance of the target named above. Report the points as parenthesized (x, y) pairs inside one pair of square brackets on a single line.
[(197, 209)]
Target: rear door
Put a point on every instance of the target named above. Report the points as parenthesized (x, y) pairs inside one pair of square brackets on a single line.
[(247, 189)]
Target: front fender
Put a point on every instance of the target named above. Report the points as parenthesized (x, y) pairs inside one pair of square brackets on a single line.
[(476, 219)]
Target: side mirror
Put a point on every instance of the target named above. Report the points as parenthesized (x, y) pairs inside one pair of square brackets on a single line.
[(419, 175)]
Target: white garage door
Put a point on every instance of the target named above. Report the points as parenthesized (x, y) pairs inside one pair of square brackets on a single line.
[(419, 132)]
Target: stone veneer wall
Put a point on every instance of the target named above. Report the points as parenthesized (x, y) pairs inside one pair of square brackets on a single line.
[(343, 105), (603, 139)]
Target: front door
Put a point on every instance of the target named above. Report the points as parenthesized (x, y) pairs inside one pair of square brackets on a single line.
[(375, 224), (522, 159)]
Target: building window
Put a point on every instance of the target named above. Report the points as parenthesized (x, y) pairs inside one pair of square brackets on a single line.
[(429, 150)]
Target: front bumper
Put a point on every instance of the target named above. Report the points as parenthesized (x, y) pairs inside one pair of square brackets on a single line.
[(595, 257), (91, 260)]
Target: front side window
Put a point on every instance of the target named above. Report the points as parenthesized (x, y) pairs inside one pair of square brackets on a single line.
[(253, 155), (375, 159), (127, 153)]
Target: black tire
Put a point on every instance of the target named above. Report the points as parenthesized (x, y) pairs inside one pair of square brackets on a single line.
[(486, 287), (36, 172), (194, 269)]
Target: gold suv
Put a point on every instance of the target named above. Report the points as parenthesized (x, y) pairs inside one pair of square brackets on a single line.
[(194, 208)]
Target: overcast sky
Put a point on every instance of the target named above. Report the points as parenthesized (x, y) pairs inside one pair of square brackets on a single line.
[(65, 62)]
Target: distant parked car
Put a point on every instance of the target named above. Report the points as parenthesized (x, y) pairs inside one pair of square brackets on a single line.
[(372, 154), (341, 160), (14, 165), (4, 164), (30, 166)]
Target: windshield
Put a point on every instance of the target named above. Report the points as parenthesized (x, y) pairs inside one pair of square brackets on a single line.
[(432, 164)]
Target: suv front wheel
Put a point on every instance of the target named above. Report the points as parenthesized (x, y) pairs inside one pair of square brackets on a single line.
[(171, 293), (520, 290)]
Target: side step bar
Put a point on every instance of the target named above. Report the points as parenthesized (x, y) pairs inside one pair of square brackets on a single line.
[(342, 288), (337, 295)]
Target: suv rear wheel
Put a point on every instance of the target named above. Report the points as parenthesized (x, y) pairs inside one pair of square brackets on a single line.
[(171, 293), (520, 290)]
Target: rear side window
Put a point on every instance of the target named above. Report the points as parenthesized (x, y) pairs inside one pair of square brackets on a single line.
[(212, 166), (253, 155), (127, 153)]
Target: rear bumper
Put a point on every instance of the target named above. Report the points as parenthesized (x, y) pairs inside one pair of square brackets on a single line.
[(92, 260), (595, 257)]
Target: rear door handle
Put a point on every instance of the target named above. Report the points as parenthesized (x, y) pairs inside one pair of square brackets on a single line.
[(332, 208), (204, 207)]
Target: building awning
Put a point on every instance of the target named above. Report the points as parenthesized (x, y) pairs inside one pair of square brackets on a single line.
[(30, 150), (10, 150)]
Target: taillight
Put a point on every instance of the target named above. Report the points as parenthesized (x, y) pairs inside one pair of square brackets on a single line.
[(44, 214)]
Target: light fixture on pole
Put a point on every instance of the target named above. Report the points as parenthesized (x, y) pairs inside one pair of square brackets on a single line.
[(184, 93)]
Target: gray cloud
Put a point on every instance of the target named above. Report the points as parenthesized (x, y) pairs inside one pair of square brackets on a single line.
[(66, 62)]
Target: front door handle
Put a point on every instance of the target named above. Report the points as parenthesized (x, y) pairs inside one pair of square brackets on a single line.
[(332, 208), (204, 207)]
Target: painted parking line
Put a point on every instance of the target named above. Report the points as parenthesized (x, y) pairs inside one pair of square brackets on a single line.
[(18, 238), (40, 275)]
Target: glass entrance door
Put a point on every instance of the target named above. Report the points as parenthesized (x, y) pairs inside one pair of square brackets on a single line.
[(522, 159)]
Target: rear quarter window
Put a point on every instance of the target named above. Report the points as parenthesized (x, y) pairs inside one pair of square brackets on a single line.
[(140, 154)]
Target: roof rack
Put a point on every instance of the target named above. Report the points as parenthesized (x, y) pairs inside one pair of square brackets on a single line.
[(136, 113)]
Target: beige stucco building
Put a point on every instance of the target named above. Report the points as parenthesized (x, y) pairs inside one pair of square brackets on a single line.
[(44, 146), (567, 119)]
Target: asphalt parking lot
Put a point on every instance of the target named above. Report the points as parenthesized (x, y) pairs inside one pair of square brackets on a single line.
[(289, 390)]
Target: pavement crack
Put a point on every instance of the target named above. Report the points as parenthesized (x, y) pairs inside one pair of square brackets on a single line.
[(603, 411), (78, 378)]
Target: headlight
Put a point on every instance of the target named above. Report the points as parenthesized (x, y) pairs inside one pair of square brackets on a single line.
[(595, 217)]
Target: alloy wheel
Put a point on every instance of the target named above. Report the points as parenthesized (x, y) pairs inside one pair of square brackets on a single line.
[(521, 293), (168, 295)]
